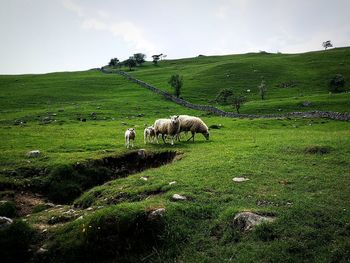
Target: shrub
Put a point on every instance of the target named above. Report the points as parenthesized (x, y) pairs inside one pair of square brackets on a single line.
[(337, 83), (223, 95), (15, 241), (8, 209)]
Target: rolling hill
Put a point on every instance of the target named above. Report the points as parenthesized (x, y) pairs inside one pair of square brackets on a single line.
[(87, 198)]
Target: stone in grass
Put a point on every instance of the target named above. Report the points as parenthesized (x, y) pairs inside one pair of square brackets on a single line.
[(240, 179), (246, 221), (177, 197), (156, 214), (143, 178), (34, 153), (5, 222), (173, 182)]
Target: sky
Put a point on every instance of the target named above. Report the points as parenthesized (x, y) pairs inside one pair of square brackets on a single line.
[(40, 36)]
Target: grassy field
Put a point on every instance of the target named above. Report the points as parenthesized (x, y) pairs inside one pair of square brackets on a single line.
[(204, 77), (298, 169)]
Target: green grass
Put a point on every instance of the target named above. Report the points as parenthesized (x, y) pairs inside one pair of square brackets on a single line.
[(204, 77), (298, 168)]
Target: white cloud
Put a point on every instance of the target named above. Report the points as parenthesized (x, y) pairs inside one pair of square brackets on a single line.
[(72, 6), (92, 23), (100, 21)]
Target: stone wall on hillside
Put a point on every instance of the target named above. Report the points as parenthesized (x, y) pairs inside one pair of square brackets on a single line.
[(310, 114)]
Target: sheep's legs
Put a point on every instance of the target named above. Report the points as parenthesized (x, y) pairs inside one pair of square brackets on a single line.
[(192, 137), (163, 138)]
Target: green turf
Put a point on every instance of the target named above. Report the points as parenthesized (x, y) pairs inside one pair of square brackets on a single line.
[(298, 168), (204, 77)]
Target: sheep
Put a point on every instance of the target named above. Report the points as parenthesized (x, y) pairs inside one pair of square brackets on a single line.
[(149, 134), (170, 127), (130, 135), (194, 125)]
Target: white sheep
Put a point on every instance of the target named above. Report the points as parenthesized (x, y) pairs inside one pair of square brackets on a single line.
[(149, 134), (130, 135), (194, 125), (167, 127)]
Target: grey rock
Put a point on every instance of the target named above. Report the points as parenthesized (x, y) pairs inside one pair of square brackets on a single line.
[(156, 214), (240, 179), (5, 222), (177, 197), (34, 153), (306, 104), (246, 221)]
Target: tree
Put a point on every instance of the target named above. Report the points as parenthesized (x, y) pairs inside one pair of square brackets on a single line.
[(113, 62), (156, 58), (237, 100), (337, 83), (176, 82), (139, 58), (131, 63), (223, 95), (327, 44), (262, 89)]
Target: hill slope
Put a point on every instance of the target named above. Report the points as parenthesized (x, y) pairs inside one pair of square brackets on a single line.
[(297, 170), (310, 73)]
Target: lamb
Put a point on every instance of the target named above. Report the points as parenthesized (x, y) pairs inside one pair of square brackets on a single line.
[(130, 135), (170, 127), (194, 125), (149, 134)]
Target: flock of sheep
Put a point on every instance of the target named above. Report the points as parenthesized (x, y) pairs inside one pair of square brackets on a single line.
[(169, 128)]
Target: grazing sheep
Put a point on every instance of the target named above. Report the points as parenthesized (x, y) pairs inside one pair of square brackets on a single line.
[(194, 125), (149, 134), (130, 135), (170, 127)]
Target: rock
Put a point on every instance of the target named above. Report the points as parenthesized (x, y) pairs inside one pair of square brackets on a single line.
[(141, 153), (50, 205), (5, 222), (41, 250), (246, 221), (177, 197), (156, 214), (89, 209), (34, 153), (143, 178), (306, 104), (215, 126), (173, 182), (240, 179)]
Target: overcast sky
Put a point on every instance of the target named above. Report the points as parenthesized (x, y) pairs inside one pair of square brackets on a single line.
[(38, 36)]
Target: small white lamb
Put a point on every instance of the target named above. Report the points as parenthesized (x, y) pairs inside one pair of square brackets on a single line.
[(149, 134), (130, 135), (165, 127)]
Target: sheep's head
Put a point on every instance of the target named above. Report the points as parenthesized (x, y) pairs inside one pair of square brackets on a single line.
[(174, 119), (131, 130), (206, 135)]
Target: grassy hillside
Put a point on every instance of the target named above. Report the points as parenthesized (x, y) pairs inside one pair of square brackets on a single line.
[(204, 77), (298, 171)]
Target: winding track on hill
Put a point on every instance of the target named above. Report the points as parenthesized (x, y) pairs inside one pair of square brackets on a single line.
[(342, 116)]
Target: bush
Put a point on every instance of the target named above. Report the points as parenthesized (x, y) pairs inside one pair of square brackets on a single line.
[(337, 84), (8, 209), (15, 241), (222, 96)]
